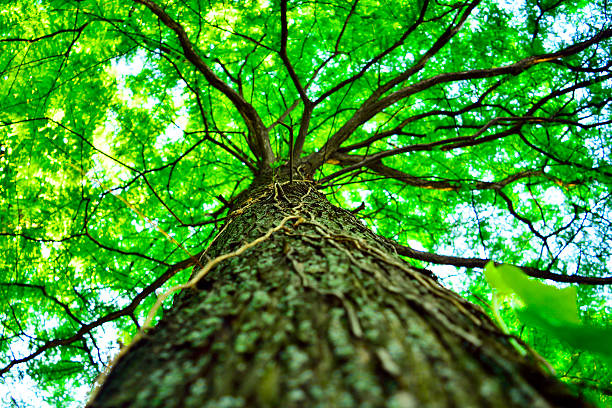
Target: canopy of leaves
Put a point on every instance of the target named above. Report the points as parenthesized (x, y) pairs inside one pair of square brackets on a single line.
[(463, 130)]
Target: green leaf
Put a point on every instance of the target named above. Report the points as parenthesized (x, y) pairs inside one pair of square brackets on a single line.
[(581, 336), (556, 303), (496, 280), (549, 308)]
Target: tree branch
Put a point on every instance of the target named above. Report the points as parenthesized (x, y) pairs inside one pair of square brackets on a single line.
[(372, 107), (446, 185), (285, 58), (377, 58), (481, 262), (50, 35), (126, 311), (261, 142), (296, 149), (46, 294)]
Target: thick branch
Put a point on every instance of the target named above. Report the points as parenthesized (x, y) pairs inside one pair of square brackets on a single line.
[(370, 108), (445, 185), (301, 137), (368, 160), (126, 311), (481, 262), (261, 146), (438, 112), (377, 58), (437, 46), (285, 57), (340, 136), (296, 150)]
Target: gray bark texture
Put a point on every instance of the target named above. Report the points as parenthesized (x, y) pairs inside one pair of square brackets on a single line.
[(322, 313)]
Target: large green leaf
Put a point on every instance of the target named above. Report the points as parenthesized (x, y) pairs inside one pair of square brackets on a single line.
[(550, 308)]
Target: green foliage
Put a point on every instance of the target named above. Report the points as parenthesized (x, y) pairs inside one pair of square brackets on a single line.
[(536, 297), (550, 308), (100, 106)]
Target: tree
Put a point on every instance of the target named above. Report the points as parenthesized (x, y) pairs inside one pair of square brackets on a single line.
[(148, 144)]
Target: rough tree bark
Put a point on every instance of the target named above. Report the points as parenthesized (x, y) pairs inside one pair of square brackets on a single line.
[(322, 313)]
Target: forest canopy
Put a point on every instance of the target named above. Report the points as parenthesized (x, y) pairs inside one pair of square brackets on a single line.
[(462, 131)]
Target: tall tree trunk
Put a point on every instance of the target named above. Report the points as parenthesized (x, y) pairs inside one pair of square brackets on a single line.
[(322, 313)]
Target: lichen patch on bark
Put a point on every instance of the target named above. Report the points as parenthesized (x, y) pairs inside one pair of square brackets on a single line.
[(321, 314)]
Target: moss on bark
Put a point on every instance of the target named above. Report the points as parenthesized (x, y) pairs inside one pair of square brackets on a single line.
[(322, 314)]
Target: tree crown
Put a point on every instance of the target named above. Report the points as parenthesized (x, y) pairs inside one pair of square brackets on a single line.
[(463, 130)]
